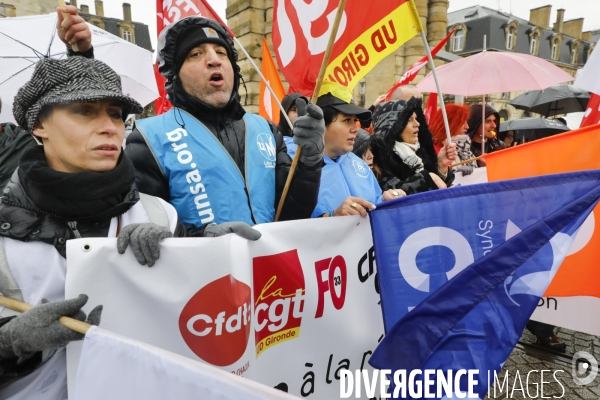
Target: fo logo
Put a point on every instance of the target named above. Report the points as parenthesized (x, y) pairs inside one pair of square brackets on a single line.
[(266, 145), (278, 299), (215, 323)]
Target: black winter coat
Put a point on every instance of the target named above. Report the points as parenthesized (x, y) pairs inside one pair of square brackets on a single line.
[(13, 142), (21, 219), (390, 120), (228, 126)]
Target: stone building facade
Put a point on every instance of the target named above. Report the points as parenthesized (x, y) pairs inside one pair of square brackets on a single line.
[(562, 43), (251, 21), (19, 8)]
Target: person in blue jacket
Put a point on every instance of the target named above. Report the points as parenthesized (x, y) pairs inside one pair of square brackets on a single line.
[(348, 186)]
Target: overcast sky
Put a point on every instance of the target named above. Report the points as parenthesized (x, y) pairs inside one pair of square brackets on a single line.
[(143, 10)]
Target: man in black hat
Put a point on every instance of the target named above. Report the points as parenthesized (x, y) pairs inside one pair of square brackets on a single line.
[(213, 161)]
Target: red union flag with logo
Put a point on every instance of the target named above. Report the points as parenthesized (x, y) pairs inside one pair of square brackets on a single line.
[(367, 33)]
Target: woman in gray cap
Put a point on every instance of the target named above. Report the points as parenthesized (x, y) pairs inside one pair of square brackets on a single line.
[(79, 183)]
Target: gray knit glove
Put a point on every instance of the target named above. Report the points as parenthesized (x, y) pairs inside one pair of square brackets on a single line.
[(309, 131), (38, 329), (239, 228), (145, 241), (465, 169)]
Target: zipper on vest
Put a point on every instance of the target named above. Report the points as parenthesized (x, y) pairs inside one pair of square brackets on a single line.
[(247, 186), (243, 176), (73, 226)]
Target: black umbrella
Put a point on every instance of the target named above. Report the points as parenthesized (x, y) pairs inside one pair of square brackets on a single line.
[(533, 128), (555, 100)]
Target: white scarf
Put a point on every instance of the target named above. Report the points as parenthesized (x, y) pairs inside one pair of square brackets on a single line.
[(407, 152)]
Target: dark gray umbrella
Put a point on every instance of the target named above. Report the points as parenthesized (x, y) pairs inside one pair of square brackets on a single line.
[(555, 100), (533, 128)]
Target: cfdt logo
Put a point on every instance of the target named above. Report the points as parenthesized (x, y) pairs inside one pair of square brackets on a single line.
[(215, 323), (279, 292)]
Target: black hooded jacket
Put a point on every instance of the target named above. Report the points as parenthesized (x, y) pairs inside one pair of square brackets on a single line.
[(390, 120), (227, 125), (288, 101), (13, 142)]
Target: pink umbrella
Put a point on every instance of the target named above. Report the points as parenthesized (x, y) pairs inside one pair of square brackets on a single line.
[(495, 72)]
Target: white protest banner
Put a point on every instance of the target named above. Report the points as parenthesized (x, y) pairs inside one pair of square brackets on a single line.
[(290, 310), (479, 175), (137, 370)]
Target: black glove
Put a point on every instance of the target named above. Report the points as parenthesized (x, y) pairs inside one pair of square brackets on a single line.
[(145, 241), (239, 228), (38, 329), (309, 131), (465, 169)]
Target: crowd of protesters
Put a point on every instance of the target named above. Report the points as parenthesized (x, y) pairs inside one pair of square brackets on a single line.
[(205, 168)]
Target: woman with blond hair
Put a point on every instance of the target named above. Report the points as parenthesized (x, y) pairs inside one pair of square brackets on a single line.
[(458, 115)]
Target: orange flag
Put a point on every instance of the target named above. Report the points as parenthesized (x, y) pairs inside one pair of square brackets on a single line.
[(267, 107), (579, 274)]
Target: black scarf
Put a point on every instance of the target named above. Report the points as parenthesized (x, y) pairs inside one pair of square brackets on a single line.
[(83, 196)]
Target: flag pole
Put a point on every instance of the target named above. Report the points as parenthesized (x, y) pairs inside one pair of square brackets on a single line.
[(71, 323), (483, 108), (315, 96), (264, 81), (433, 70)]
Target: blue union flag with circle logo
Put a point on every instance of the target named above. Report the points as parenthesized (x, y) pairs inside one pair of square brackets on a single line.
[(462, 270)]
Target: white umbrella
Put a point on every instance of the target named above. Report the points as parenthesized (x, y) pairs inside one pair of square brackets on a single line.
[(25, 40)]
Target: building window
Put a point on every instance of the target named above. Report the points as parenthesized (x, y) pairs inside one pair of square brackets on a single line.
[(554, 54), (458, 40), (127, 36), (505, 95), (503, 115), (574, 55), (533, 45), (510, 38)]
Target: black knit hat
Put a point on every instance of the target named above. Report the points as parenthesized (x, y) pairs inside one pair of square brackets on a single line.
[(193, 37), (71, 80)]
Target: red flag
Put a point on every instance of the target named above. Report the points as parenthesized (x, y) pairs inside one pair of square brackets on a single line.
[(592, 112), (412, 72), (366, 35), (267, 108), (431, 107), (168, 12)]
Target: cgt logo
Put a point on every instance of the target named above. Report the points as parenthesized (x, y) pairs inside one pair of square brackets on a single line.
[(279, 292), (215, 322)]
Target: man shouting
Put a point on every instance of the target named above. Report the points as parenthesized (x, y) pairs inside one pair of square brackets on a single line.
[(222, 168)]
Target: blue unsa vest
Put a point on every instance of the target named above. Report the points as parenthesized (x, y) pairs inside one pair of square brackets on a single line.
[(205, 184)]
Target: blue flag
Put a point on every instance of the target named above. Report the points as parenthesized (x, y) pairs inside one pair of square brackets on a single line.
[(470, 264)]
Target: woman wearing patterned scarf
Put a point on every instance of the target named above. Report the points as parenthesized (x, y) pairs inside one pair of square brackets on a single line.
[(78, 184), (403, 148)]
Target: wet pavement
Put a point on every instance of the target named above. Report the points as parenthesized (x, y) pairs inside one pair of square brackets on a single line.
[(527, 358)]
